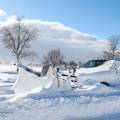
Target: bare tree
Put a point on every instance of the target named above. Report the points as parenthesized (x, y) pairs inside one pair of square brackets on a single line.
[(17, 39), (72, 64), (54, 57), (65, 64), (113, 51), (80, 64)]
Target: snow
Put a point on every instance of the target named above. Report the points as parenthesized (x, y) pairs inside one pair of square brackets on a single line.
[(27, 82), (104, 67), (25, 96)]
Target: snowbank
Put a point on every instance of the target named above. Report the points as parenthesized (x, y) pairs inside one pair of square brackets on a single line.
[(104, 67), (68, 105), (89, 78), (27, 82)]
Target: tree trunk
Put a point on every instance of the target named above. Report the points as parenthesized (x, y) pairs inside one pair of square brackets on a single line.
[(18, 61)]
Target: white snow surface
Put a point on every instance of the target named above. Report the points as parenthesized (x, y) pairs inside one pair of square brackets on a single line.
[(28, 82), (51, 103)]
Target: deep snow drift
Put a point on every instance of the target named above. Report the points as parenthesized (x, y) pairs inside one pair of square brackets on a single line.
[(101, 102), (28, 82)]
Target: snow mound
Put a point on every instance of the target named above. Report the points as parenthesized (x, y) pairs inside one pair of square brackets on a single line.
[(89, 78), (28, 82), (102, 68)]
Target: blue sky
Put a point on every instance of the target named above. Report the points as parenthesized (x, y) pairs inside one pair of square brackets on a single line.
[(98, 17)]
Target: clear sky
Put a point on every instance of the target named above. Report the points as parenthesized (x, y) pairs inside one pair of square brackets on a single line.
[(98, 17)]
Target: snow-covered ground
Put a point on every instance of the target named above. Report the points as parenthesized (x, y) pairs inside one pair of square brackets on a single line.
[(91, 101)]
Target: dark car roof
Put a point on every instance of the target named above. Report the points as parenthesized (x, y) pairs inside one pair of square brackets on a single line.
[(93, 63)]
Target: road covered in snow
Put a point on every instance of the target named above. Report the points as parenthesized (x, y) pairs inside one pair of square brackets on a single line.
[(100, 102)]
